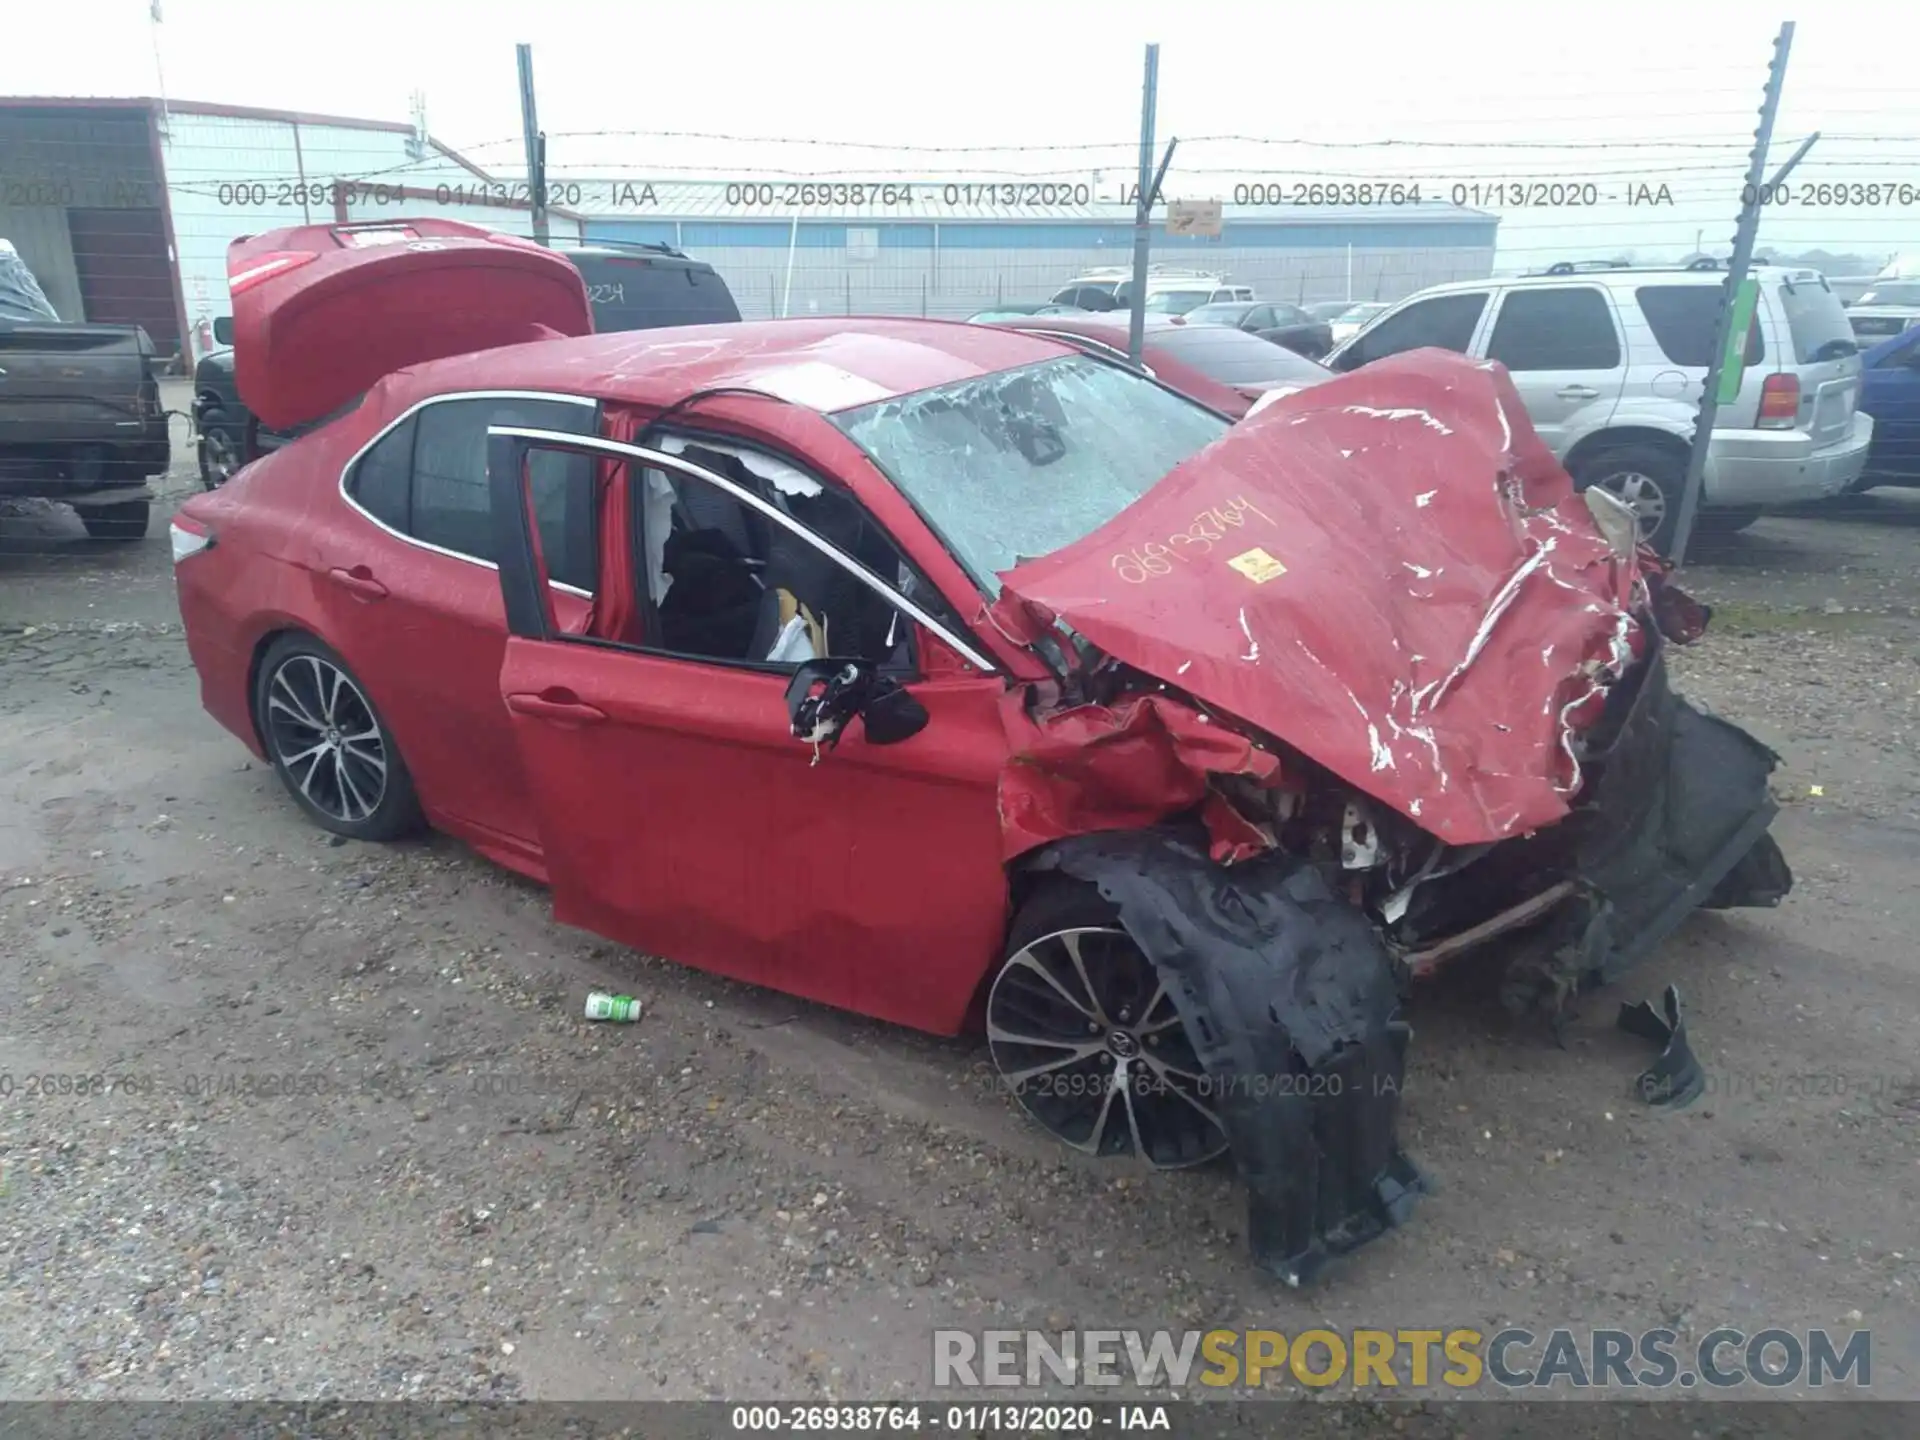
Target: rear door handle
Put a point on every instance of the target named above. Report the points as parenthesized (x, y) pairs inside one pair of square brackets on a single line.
[(556, 703), (1577, 392), (360, 581)]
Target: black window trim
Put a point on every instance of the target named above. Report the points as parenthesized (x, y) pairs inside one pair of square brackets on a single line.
[(353, 461), (661, 460)]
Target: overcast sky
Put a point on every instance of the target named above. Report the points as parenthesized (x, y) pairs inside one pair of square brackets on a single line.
[(1617, 97)]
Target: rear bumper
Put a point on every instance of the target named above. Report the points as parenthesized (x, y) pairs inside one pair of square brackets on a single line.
[(1783, 467)]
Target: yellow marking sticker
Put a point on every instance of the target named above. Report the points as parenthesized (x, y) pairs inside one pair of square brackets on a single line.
[(1257, 565)]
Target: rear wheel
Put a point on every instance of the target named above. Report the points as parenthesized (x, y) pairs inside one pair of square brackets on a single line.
[(1647, 479), (1086, 1035), (328, 744), (126, 521)]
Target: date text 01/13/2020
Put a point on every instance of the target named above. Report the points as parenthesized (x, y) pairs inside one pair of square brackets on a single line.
[(903, 1416)]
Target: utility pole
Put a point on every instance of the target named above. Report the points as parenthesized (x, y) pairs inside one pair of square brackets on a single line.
[(536, 147), (1143, 209), (1735, 305)]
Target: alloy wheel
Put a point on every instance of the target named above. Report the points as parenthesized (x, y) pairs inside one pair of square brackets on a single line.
[(1643, 495), (324, 735), (219, 459), (1084, 1032)]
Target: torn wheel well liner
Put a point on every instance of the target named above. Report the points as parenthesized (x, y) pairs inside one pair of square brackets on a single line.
[(1292, 1004)]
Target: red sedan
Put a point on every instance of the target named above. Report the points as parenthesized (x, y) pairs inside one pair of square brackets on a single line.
[(1223, 368), (961, 677)]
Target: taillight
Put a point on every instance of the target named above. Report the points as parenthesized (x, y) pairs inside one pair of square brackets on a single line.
[(1779, 402), (278, 262), (189, 537)]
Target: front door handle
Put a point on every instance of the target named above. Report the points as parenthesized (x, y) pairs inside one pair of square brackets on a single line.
[(556, 703), (1577, 392), (360, 581)]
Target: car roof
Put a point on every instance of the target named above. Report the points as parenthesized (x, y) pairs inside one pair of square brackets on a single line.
[(666, 259), (1619, 277), (823, 365)]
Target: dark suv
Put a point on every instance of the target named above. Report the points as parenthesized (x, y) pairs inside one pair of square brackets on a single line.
[(629, 286), (81, 419)]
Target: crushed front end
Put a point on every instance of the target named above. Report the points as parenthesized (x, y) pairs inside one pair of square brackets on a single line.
[(1395, 692)]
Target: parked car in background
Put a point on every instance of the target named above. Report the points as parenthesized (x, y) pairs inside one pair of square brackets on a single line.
[(1067, 712), (1273, 320), (1225, 370), (1610, 364), (1349, 320), (629, 286), (1890, 393), (1018, 311), (1179, 298), (1112, 288), (1886, 308), (81, 420)]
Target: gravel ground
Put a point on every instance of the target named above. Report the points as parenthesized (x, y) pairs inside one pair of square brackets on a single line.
[(360, 1144)]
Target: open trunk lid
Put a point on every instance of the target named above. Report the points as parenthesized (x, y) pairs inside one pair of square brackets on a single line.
[(321, 312), (1388, 572)]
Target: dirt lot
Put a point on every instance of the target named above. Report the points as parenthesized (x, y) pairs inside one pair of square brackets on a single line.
[(746, 1196)]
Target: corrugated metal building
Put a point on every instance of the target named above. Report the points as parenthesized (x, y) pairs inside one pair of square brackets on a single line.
[(123, 208), (949, 249)]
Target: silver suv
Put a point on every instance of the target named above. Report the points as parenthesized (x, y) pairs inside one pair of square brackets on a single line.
[(1611, 362)]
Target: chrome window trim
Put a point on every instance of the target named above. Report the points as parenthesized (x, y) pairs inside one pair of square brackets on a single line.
[(1087, 345), (661, 460), (406, 415)]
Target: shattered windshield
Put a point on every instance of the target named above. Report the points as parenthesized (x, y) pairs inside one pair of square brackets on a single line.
[(1018, 464)]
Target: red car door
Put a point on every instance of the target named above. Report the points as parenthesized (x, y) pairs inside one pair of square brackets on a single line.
[(412, 600), (679, 814)]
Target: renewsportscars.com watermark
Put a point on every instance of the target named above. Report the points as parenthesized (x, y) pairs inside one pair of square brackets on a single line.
[(1461, 1359)]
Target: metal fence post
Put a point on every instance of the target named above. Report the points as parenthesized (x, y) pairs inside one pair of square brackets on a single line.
[(1744, 233)]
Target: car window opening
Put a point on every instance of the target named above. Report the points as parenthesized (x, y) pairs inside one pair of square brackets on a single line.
[(727, 583)]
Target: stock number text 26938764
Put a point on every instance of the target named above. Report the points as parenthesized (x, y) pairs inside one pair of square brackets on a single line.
[(1142, 562), (1327, 192)]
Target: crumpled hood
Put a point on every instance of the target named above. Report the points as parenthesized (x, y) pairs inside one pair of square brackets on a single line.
[(1388, 572)]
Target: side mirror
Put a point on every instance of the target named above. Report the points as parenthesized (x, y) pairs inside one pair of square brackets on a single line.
[(824, 695), (223, 330)]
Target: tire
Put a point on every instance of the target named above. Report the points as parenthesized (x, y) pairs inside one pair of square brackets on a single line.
[(329, 745), (1648, 478), (1729, 521), (219, 456), (1075, 1005), (126, 521)]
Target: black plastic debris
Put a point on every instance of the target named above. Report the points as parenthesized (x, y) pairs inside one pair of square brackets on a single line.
[(1674, 1080), (1293, 1007)]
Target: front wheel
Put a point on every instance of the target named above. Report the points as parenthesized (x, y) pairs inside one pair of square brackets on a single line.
[(219, 458), (1647, 479), (328, 744), (1086, 1035), (126, 521)]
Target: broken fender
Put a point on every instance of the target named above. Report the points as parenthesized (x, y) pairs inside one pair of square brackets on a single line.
[(1293, 1008), (1122, 767), (1390, 573)]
